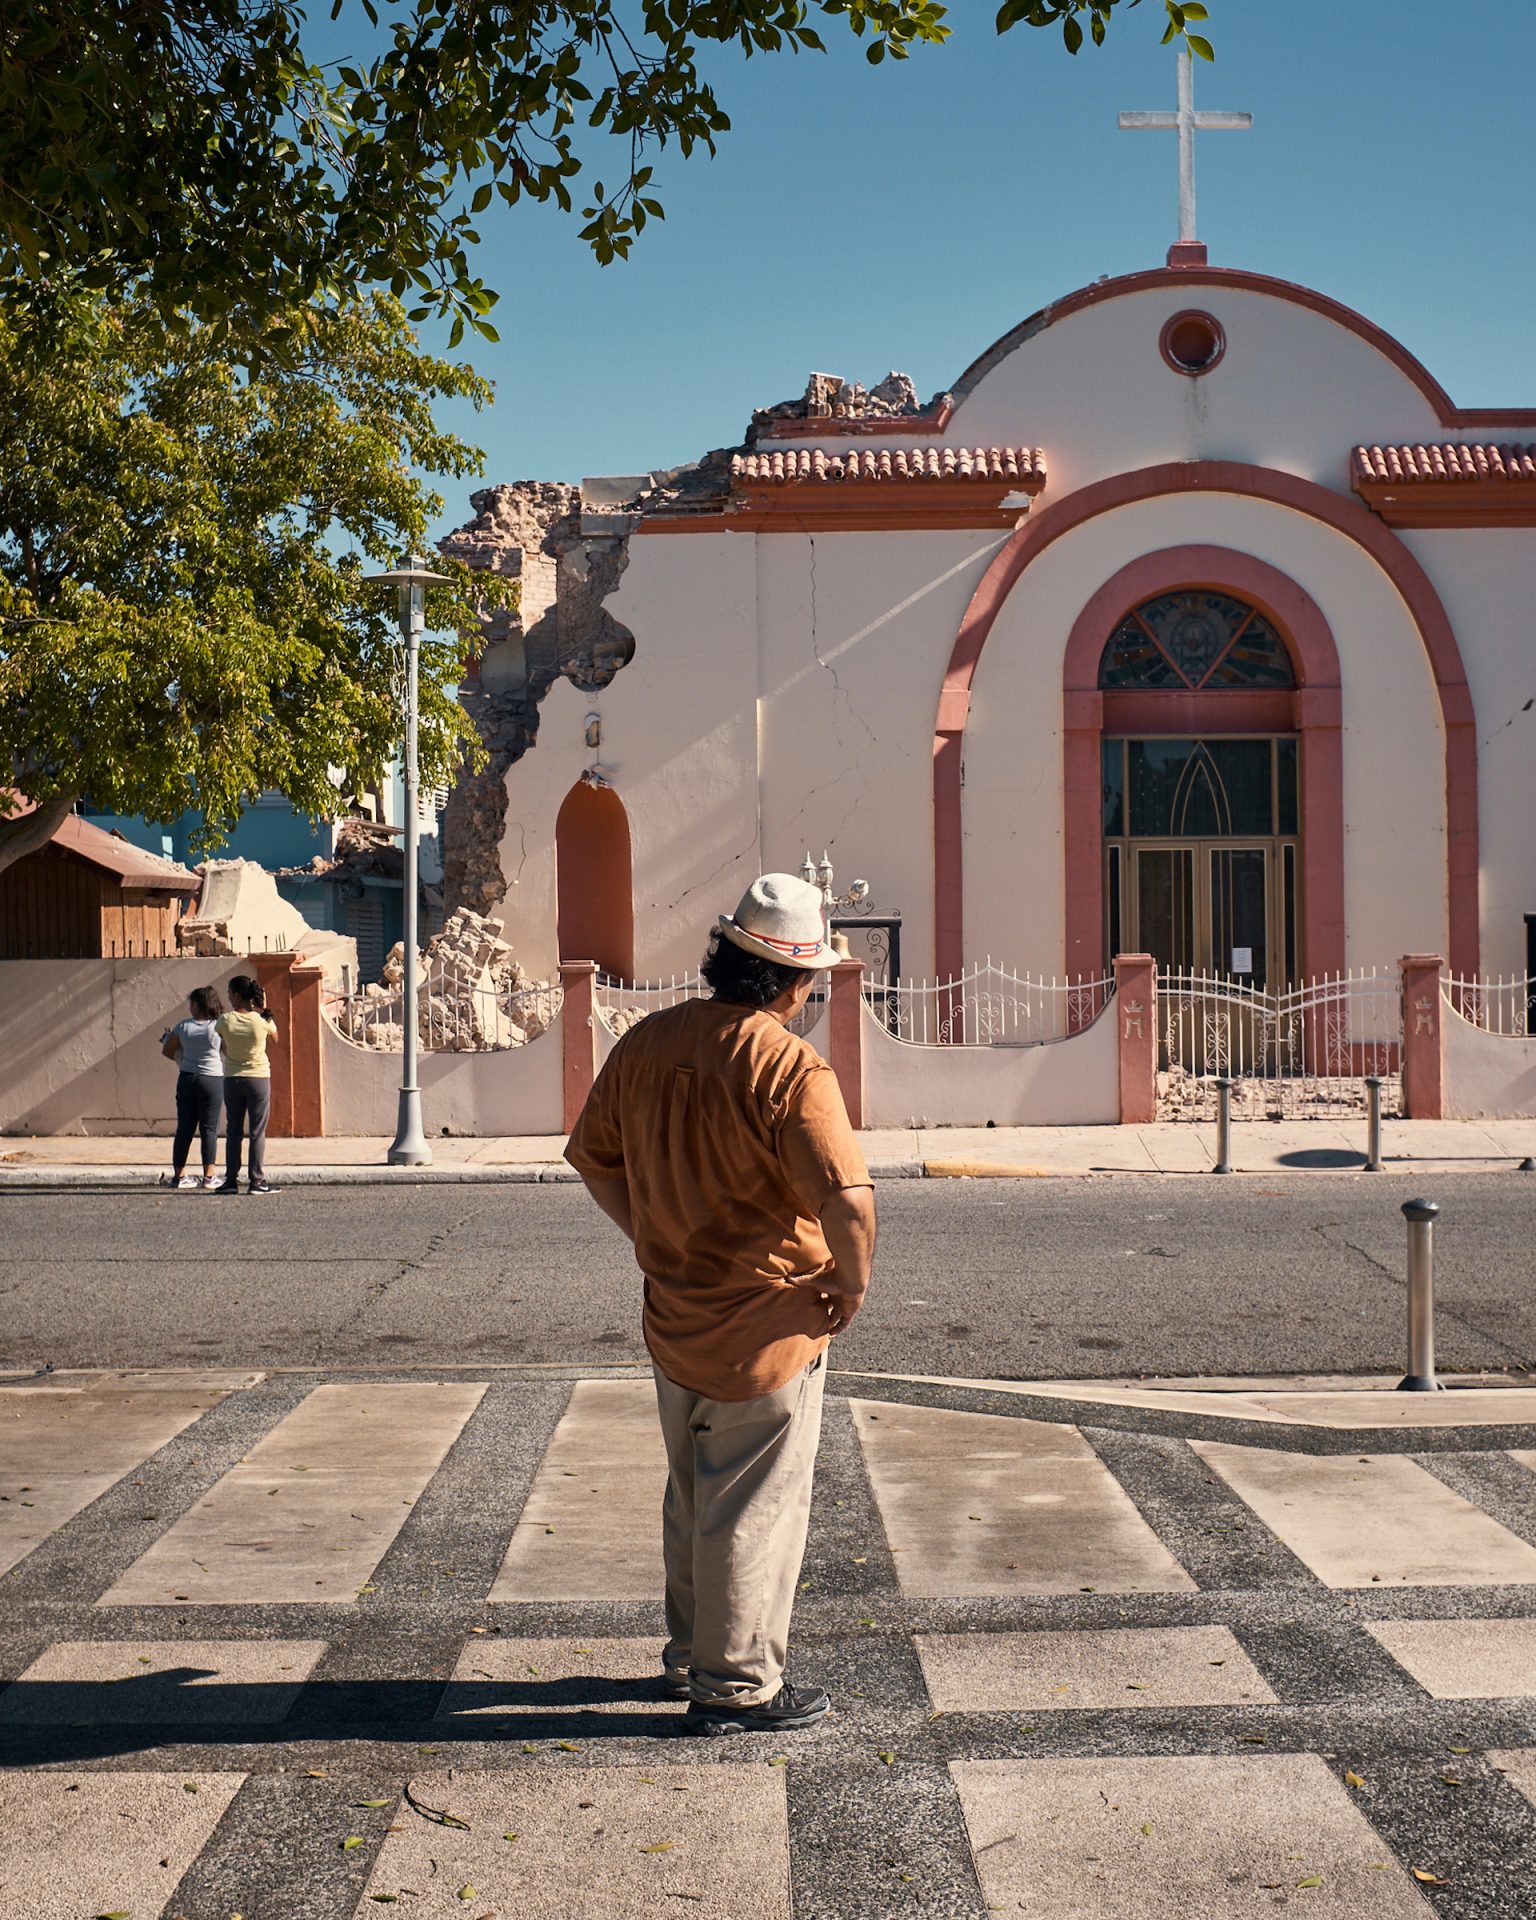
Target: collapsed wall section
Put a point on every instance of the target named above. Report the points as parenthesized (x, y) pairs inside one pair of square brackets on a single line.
[(530, 531)]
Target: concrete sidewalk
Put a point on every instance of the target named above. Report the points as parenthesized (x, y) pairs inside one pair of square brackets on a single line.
[(305, 1642), (1418, 1147)]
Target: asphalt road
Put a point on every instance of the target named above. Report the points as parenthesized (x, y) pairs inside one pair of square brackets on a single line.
[(1006, 1279)]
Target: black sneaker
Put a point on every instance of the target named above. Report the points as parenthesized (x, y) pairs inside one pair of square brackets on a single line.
[(229, 1186), (260, 1186), (789, 1708)]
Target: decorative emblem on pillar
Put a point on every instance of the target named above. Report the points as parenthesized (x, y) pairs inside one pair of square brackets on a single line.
[(1423, 1015), (1134, 1009)]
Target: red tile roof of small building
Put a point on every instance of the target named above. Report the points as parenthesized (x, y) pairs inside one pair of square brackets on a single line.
[(791, 466), (1447, 462)]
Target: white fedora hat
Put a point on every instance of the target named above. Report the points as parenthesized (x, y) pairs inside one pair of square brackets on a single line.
[(781, 917)]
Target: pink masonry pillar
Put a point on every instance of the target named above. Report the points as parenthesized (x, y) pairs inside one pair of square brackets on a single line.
[(1423, 1038), (1136, 1025), (845, 1030), (578, 1024)]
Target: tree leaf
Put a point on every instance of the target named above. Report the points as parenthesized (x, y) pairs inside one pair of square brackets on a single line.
[(660, 1846), (352, 1840), (1312, 1880)]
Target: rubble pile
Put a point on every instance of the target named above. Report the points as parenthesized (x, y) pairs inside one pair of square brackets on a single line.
[(474, 997)]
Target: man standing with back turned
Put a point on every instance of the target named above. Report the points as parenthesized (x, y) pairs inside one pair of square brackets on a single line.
[(718, 1141)]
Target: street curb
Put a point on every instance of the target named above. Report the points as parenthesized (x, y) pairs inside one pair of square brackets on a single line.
[(146, 1179), (518, 1173)]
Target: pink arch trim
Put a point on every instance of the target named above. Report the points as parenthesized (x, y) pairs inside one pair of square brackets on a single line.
[(1347, 517), (1314, 711)]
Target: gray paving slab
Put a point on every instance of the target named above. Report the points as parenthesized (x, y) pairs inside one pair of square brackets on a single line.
[(84, 1844), (1163, 1839), (1377, 1520), (120, 1682), (310, 1511), (591, 1526), (502, 1677), (977, 1504), (1464, 1659), (658, 1840), (62, 1446), (1122, 1667)]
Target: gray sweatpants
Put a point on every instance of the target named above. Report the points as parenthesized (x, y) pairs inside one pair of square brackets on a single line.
[(733, 1522), (247, 1101)]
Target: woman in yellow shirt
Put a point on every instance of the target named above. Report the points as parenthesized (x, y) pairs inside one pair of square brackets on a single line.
[(245, 1031)]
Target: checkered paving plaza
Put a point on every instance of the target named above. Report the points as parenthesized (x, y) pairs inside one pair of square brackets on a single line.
[(300, 1646)]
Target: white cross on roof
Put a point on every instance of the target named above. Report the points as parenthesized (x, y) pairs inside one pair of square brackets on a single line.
[(1186, 121)]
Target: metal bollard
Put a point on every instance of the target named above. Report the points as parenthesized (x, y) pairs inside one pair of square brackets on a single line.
[(1373, 1123), (1420, 1377), (1223, 1127)]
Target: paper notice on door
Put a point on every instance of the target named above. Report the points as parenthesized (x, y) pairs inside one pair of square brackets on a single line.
[(1242, 959)]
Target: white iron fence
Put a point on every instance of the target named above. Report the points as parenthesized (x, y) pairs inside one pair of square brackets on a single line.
[(621, 1007), (1505, 1006), (1304, 1053), (989, 1006), (459, 1012)]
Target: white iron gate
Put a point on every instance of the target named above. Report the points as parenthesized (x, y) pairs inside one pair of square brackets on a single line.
[(1302, 1054)]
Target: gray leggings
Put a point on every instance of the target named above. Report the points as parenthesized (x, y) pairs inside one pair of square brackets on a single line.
[(246, 1101)]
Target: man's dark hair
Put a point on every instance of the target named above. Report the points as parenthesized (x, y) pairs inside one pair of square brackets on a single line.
[(745, 979)]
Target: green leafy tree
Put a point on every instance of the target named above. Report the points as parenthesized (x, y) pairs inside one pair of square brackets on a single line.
[(181, 620), (203, 146)]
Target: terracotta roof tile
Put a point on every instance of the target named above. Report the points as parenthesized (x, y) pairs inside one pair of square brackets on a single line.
[(791, 466), (1448, 485), (1449, 462)]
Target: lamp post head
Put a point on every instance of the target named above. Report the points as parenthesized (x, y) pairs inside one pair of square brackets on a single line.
[(412, 577), (411, 572)]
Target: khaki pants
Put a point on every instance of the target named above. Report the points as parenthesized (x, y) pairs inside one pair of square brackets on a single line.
[(734, 1520)]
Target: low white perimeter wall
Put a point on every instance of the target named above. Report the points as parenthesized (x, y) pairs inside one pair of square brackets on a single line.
[(1063, 1083), (80, 1042), (515, 1091), (1488, 1076)]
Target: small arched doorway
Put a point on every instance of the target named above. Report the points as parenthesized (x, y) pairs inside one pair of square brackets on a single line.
[(594, 883)]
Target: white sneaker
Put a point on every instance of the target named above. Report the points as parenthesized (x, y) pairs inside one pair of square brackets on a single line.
[(209, 1183), (190, 1182)]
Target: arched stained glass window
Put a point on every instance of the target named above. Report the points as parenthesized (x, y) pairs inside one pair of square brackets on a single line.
[(1195, 638)]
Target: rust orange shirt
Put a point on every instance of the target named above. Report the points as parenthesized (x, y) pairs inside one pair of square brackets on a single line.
[(732, 1134)]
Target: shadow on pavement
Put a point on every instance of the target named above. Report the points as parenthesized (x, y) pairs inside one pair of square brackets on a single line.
[(45, 1722)]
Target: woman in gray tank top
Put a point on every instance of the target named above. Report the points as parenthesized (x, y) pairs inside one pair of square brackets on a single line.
[(195, 1044)]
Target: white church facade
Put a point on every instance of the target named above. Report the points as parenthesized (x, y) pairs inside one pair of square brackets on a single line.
[(1195, 619)]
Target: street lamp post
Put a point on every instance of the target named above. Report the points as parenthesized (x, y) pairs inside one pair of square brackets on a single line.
[(409, 1147)]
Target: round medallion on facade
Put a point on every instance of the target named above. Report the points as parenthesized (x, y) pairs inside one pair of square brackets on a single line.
[(1193, 342)]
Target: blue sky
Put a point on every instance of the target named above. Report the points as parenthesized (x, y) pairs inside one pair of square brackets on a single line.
[(861, 219)]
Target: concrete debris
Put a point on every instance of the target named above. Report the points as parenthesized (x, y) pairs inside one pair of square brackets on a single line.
[(364, 849), (241, 912), (828, 396), (529, 531), (1182, 1095), (474, 997)]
